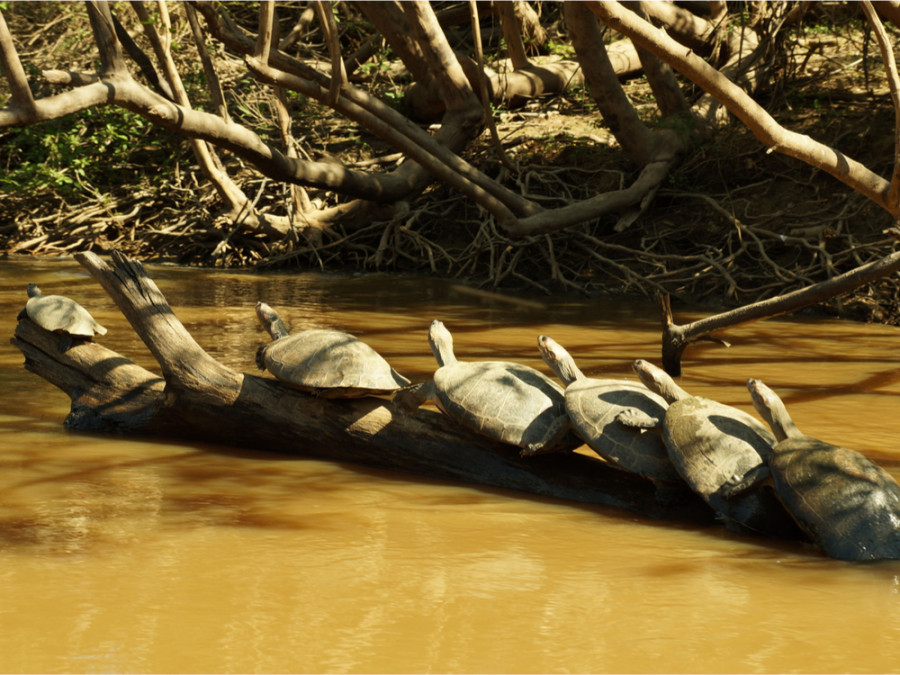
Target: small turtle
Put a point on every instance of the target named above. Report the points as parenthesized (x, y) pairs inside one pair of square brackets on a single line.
[(594, 404), (848, 504), (328, 363), (720, 451), (58, 314), (507, 402)]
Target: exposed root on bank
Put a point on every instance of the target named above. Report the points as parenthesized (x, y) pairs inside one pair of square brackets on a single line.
[(721, 249)]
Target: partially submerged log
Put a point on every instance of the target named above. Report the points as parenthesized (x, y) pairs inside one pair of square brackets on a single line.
[(197, 398), (676, 337)]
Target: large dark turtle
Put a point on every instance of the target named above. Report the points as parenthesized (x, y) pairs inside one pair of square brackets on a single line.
[(59, 314), (593, 405), (848, 504), (328, 363), (507, 402), (721, 452)]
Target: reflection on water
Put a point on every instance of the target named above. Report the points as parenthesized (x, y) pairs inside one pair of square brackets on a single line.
[(126, 555)]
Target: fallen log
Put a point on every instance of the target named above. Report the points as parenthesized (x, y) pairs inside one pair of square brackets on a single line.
[(197, 398)]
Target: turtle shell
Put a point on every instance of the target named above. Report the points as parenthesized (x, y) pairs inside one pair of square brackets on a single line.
[(716, 447), (848, 504), (593, 405), (330, 363), (505, 401), (57, 313)]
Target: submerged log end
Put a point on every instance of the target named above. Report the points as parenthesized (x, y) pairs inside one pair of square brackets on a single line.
[(109, 393), (673, 338)]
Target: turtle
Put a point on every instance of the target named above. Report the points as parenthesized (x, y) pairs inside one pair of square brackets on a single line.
[(328, 363), (59, 314), (720, 451), (846, 503), (592, 406), (501, 400)]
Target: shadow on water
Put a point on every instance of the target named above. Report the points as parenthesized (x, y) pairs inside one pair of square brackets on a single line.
[(199, 485)]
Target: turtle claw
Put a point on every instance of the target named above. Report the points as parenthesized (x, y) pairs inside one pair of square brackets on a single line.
[(408, 399), (637, 419)]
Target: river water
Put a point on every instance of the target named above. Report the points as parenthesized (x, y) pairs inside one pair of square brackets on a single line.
[(132, 555)]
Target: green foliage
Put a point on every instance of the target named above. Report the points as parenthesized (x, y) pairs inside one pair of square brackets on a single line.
[(561, 49), (581, 97), (72, 154)]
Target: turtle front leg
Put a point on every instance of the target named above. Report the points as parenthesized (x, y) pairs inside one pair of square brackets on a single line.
[(638, 419), (409, 399), (737, 485), (552, 440)]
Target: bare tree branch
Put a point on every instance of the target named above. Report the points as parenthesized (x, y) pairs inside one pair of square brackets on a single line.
[(58, 105), (111, 62), (15, 73), (209, 70), (636, 139), (511, 33), (483, 84), (265, 31), (890, 66), (660, 77), (329, 29)]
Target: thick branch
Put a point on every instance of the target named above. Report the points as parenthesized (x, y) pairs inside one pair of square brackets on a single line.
[(443, 65), (739, 103), (660, 77), (183, 362), (142, 60), (636, 139), (209, 70), (890, 66), (112, 63), (330, 31), (15, 73), (58, 105), (657, 169), (512, 33), (389, 19)]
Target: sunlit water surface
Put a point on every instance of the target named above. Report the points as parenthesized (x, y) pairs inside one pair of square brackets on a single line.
[(131, 555)]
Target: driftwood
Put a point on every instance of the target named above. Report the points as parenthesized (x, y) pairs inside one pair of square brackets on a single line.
[(676, 337), (198, 398)]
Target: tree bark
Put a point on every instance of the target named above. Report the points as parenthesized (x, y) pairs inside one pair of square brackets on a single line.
[(198, 398)]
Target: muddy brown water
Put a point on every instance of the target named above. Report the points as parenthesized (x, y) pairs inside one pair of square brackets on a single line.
[(131, 555)]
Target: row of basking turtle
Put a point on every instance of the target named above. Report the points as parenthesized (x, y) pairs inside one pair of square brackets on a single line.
[(774, 481)]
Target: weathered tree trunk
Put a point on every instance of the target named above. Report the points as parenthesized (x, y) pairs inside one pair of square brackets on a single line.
[(198, 398)]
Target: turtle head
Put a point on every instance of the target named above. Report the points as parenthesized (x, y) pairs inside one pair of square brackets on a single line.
[(33, 290), (658, 381), (772, 409), (441, 342), (763, 397), (559, 360), (270, 320)]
